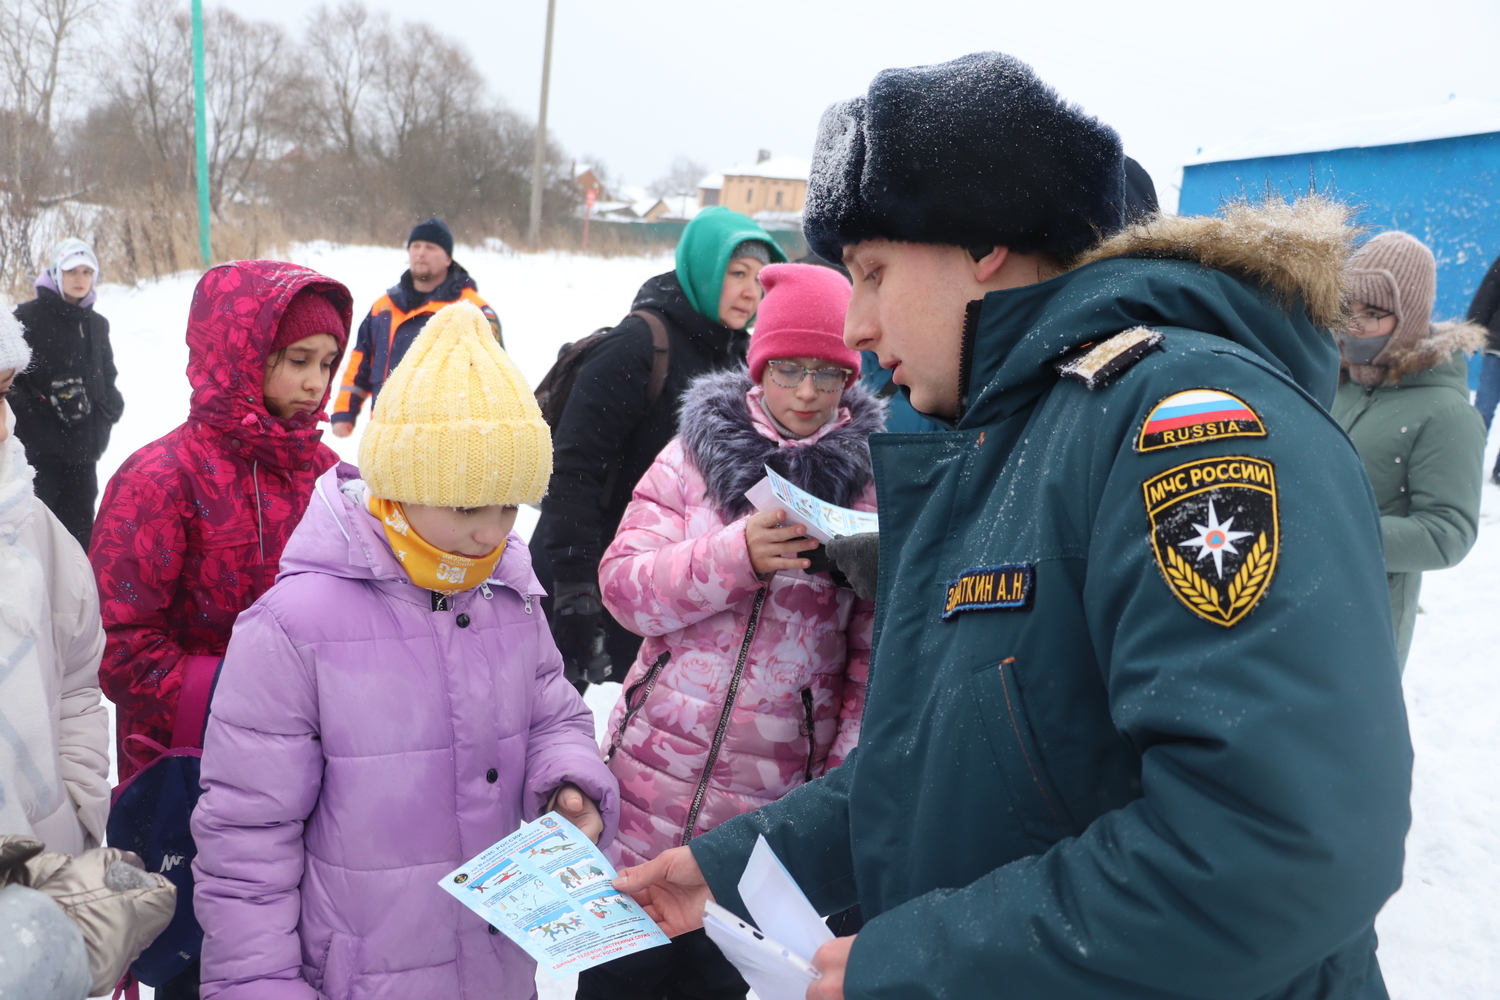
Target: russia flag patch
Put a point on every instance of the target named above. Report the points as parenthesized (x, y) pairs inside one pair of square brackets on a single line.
[(1196, 416)]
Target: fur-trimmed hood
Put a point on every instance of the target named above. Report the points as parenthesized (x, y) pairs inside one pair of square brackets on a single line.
[(1268, 278), (1297, 249), (720, 436), (1442, 343)]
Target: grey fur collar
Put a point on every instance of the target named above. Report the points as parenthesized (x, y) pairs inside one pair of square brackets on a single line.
[(720, 439)]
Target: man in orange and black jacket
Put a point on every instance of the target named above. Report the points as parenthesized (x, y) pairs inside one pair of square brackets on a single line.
[(433, 280)]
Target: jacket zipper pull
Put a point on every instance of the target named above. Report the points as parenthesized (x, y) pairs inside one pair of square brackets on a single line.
[(484, 588), (527, 599)]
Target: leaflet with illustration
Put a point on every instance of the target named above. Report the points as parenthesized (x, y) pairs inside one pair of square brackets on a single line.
[(548, 889), (824, 521)]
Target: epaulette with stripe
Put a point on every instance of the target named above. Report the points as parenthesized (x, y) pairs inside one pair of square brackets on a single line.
[(1098, 363)]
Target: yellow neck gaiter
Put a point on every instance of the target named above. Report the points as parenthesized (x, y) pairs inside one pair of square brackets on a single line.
[(429, 567)]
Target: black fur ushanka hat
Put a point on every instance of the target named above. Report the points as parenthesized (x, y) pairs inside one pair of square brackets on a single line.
[(973, 152)]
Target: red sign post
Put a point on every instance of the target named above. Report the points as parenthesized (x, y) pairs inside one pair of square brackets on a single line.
[(588, 210)]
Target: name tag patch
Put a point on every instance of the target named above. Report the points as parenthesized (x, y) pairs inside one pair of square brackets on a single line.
[(990, 588), (1197, 416)]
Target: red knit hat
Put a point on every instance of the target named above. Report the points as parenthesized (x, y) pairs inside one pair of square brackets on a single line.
[(802, 316), (308, 314)]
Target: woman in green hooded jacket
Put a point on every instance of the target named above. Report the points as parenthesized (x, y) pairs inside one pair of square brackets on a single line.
[(1404, 401), (618, 417)]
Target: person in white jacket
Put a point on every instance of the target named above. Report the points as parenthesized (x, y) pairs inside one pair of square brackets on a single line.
[(54, 730)]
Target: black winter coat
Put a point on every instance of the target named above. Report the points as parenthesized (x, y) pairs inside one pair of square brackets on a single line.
[(69, 345), (1485, 309), (607, 438)]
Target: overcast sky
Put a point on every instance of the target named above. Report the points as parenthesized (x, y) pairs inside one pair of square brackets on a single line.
[(639, 83)]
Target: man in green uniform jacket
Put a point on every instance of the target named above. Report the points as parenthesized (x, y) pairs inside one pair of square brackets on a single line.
[(1134, 725)]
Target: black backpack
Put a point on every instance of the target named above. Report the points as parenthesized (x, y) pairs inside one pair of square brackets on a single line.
[(557, 385)]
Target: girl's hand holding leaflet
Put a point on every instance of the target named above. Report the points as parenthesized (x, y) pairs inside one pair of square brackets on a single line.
[(774, 546), (670, 888), (578, 809)]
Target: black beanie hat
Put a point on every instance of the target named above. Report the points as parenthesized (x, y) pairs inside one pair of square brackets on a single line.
[(433, 231), (973, 152)]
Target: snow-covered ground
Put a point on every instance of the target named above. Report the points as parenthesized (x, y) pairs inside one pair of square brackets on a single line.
[(1437, 934), (1440, 935)]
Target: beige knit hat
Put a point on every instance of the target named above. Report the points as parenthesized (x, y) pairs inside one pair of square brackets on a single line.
[(1395, 272), (456, 424)]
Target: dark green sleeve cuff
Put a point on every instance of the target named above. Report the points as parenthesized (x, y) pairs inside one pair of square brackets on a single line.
[(808, 830), (722, 854)]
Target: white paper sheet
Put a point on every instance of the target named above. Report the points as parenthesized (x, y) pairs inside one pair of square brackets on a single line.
[(775, 960), (778, 906), (773, 970)]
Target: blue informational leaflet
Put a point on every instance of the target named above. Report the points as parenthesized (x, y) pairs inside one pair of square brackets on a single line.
[(548, 889), (823, 521)]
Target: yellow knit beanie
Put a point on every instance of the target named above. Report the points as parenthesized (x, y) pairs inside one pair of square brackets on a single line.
[(456, 424)]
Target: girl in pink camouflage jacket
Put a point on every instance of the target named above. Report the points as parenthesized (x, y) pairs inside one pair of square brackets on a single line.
[(751, 679)]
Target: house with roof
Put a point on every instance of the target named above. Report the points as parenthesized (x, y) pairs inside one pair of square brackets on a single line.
[(1433, 172), (775, 184)]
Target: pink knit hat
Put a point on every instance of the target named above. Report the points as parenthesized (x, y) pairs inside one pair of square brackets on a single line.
[(802, 316), (307, 314)]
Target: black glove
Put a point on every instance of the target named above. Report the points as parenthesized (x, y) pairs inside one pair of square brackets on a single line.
[(578, 629), (857, 557)]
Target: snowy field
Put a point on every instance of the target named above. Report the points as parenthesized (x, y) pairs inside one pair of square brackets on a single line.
[(1438, 934)]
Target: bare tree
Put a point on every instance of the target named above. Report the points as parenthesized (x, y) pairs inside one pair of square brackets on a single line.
[(681, 178), (353, 131), (38, 39), (153, 85), (246, 77), (39, 43), (428, 88), (345, 44)]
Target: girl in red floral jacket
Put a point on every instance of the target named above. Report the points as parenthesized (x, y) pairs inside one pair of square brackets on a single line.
[(191, 528)]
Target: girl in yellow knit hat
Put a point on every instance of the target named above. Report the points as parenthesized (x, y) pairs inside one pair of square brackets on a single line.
[(395, 703)]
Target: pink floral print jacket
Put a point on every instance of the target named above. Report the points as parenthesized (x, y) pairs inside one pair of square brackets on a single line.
[(744, 689)]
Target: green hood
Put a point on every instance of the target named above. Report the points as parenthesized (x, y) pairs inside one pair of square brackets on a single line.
[(703, 254)]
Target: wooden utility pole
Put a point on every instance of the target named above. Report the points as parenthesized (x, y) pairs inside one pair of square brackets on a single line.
[(539, 161)]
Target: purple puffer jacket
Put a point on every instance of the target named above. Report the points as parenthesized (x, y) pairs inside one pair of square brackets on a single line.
[(360, 747), (765, 685)]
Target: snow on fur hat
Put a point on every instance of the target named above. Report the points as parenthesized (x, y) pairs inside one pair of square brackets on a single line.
[(15, 353), (456, 424), (974, 152)]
